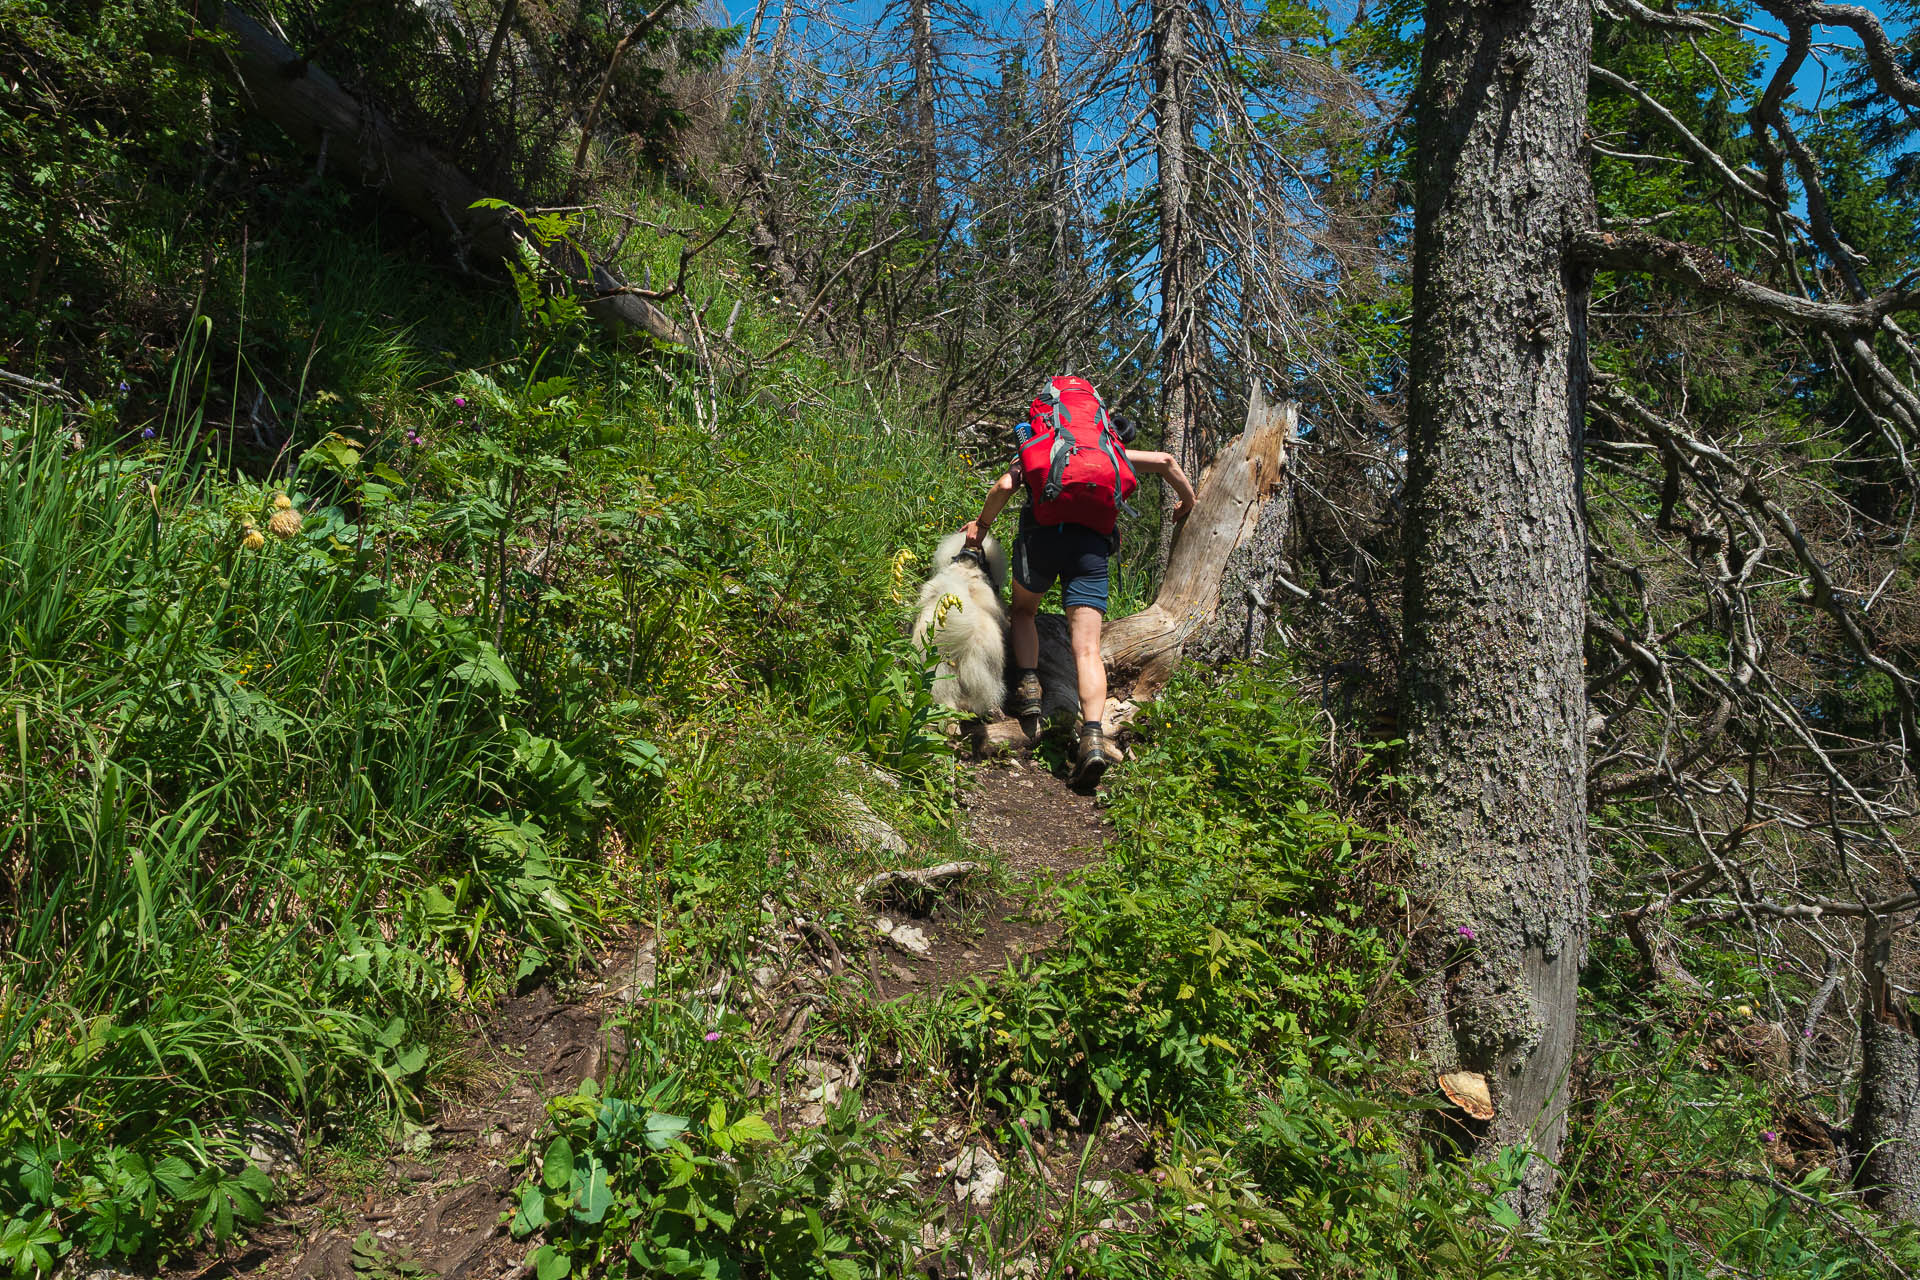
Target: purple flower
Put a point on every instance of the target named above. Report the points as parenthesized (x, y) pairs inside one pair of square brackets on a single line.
[(147, 434), (460, 402), (123, 386), (1808, 1033), (1466, 933), (712, 1036), (1768, 1135)]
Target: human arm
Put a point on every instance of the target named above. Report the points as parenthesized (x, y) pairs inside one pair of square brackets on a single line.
[(1166, 466), (990, 510)]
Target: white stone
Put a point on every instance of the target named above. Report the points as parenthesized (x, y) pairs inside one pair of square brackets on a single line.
[(977, 1177), (910, 938)]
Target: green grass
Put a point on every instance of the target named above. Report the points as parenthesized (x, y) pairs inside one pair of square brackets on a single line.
[(275, 806)]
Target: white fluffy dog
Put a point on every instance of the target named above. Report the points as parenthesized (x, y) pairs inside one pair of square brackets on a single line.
[(960, 609)]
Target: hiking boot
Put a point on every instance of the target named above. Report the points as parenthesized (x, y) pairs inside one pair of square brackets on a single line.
[(1096, 754), (1026, 695)]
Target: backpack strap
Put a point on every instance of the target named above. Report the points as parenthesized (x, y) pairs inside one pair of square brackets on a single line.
[(1106, 444), (1057, 461)]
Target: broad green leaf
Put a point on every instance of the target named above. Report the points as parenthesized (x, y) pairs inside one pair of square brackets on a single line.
[(550, 1264), (595, 1195), (662, 1129), (556, 1167), (532, 1213), (750, 1129)]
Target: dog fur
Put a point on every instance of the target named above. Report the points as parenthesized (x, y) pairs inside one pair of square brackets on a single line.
[(972, 639)]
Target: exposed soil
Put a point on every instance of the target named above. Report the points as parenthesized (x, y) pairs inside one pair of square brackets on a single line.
[(441, 1207)]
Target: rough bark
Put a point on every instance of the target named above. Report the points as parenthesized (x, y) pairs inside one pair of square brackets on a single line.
[(1179, 278), (1247, 578), (926, 143), (1229, 504), (1494, 708), (1054, 120), (314, 110), (1886, 1116)]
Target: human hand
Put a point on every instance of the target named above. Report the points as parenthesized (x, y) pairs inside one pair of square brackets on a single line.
[(972, 529), (1182, 510)]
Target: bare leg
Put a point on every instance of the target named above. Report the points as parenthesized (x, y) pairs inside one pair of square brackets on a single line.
[(1026, 636), (1083, 624)]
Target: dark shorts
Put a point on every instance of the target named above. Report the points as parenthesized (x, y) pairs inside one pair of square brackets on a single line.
[(1072, 553)]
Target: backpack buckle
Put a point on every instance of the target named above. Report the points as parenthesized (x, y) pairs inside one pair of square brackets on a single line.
[(974, 554)]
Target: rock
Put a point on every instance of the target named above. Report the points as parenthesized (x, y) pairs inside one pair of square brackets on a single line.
[(764, 976), (915, 882), (630, 980), (910, 938), (869, 828), (269, 1149), (976, 1176)]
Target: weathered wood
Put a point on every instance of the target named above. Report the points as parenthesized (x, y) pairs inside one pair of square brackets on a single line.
[(316, 112), (1231, 497)]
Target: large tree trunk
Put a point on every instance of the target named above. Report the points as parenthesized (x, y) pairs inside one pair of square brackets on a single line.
[(1179, 276), (1886, 1115), (317, 112), (1495, 594)]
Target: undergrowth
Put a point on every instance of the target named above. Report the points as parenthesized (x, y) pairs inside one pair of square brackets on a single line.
[(330, 721)]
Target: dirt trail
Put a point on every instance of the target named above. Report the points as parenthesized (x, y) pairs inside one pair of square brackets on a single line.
[(437, 1212)]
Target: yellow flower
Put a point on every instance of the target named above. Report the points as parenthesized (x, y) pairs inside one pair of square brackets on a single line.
[(252, 539), (901, 559), (284, 522), (282, 502)]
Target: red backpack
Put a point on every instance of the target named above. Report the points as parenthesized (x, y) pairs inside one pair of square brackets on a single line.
[(1074, 465)]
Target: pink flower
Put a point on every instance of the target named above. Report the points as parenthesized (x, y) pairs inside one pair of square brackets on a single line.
[(460, 402), (1768, 1135), (1466, 933), (712, 1036)]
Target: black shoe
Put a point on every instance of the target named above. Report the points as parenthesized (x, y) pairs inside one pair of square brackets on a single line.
[(1026, 695), (1095, 755)]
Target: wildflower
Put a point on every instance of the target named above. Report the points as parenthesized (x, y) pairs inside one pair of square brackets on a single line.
[(124, 388), (148, 434), (1768, 1135), (1466, 933), (285, 522), (459, 402), (712, 1036), (252, 539), (281, 502), (1745, 1010)]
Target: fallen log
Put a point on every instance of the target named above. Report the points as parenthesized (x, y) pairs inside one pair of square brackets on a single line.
[(313, 109)]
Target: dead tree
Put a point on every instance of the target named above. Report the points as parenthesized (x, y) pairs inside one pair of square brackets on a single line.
[(1179, 293)]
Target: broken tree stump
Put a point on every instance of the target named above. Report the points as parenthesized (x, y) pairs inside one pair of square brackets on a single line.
[(1239, 510)]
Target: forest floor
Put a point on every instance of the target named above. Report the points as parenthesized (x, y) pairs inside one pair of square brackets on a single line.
[(436, 1205)]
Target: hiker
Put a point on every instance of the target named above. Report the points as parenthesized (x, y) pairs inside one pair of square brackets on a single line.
[(1077, 472)]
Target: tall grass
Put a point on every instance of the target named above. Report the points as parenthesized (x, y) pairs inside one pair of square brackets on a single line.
[(271, 808)]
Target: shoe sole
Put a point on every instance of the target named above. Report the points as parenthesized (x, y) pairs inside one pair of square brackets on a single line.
[(1089, 773)]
